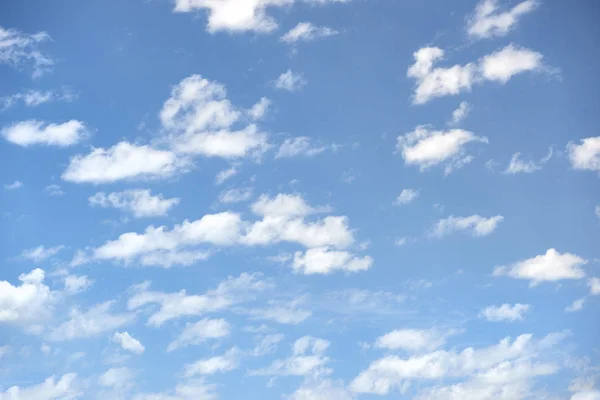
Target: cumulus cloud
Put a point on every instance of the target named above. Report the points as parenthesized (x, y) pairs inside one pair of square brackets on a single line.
[(121, 162), (76, 284), (478, 225), (323, 260), (127, 342), (505, 312), (576, 305), (40, 253), (406, 196), (198, 118), (27, 304), (585, 156), (458, 115), (549, 267), (20, 49), (499, 66), (290, 81), (139, 202), (488, 21), (63, 388), (201, 331), (299, 146), (218, 364), (32, 132), (414, 340), (426, 148), (306, 32), (236, 16)]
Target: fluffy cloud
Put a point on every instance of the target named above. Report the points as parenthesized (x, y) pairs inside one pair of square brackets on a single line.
[(199, 119), (140, 202), (290, 81), (427, 148), (241, 16), (176, 305), (50, 389), (460, 113), (407, 196), (75, 284), (13, 186), (307, 360), (40, 253), (306, 32), (391, 372), (487, 21), (235, 195), (208, 366), (499, 66), (93, 322), (19, 48), (594, 284), (299, 146), (323, 260), (122, 161), (505, 312), (549, 267), (478, 225), (128, 343), (585, 155), (32, 132), (27, 304), (576, 305), (196, 333), (414, 340)]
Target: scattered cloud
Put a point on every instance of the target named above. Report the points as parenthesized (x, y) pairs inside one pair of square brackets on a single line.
[(407, 196), (594, 284), (236, 195), (458, 115), (549, 267), (116, 377), (34, 98), (306, 32), (139, 202), (128, 343), (191, 389), (41, 253), (299, 146), (585, 156), (488, 21), (321, 390), (54, 190), (323, 260), (218, 364), (63, 388), (226, 174), (76, 284), (414, 340), (576, 305), (32, 132), (290, 81), (20, 49), (199, 332), (505, 312), (478, 225), (13, 186), (287, 313)]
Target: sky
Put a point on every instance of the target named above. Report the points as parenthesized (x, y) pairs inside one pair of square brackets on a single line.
[(299, 200)]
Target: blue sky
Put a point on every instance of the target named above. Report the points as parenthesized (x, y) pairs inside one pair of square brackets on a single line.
[(299, 199)]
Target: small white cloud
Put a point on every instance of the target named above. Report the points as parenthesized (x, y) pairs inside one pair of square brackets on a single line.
[(414, 340), (13, 186), (32, 132), (505, 312), (518, 166), (218, 364), (594, 284), (75, 284), (407, 196), (306, 32), (460, 113), (400, 241), (503, 64), (116, 377), (235, 195), (585, 156), (322, 260), (478, 225), (487, 21), (18, 49), (260, 109), (290, 81), (201, 331), (54, 190), (225, 174), (41, 253), (139, 202), (299, 146), (549, 267), (576, 305), (287, 313), (34, 98), (63, 388), (127, 342), (44, 348)]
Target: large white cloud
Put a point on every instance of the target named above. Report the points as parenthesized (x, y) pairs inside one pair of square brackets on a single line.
[(140, 202), (487, 21), (18, 48), (32, 132), (549, 267)]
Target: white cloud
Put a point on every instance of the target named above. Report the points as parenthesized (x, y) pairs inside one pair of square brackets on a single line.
[(13, 186), (587, 395), (116, 377), (267, 344), (75, 284), (427, 148), (284, 205), (4, 350), (235, 195), (201, 331), (41, 253), (226, 174), (241, 16), (218, 364), (198, 119), (597, 211), (290, 81), (400, 241), (414, 340), (33, 98), (321, 390), (50, 389), (458, 115), (32, 132), (549, 267), (122, 161), (576, 305), (323, 260), (176, 305), (54, 190), (478, 225), (516, 165), (487, 21), (505, 312), (499, 66), (492, 364), (585, 155), (260, 109), (288, 313), (127, 342), (306, 32), (140, 202), (195, 389), (18, 49), (306, 360), (407, 196), (27, 304), (93, 322), (594, 284), (299, 146)]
